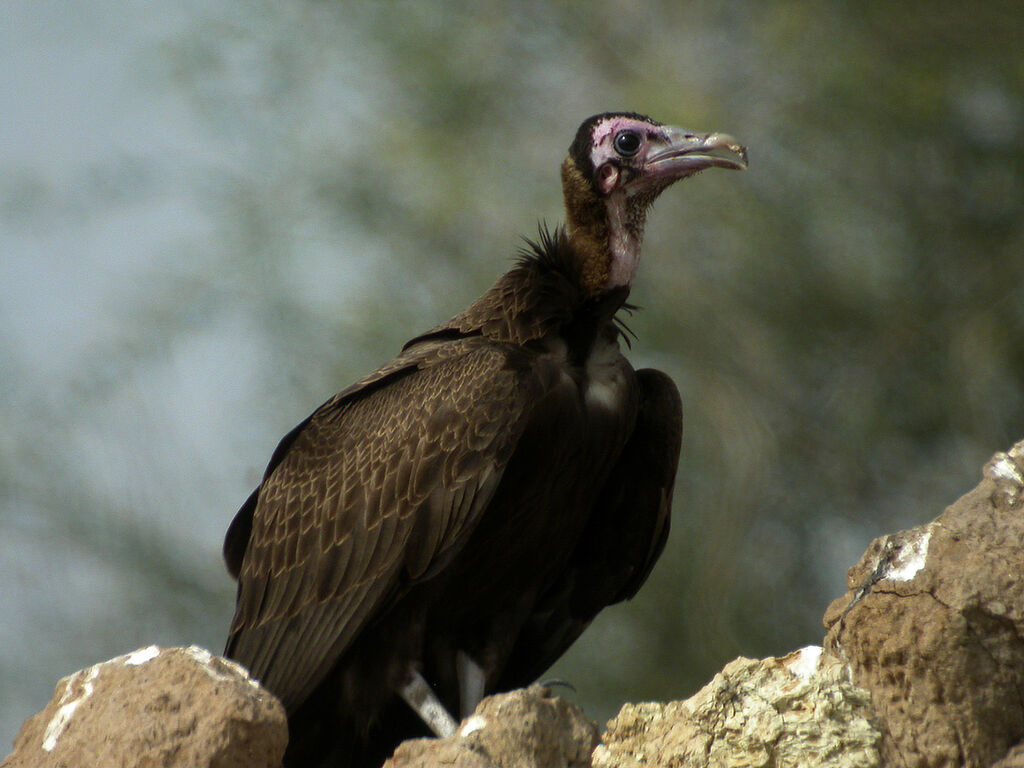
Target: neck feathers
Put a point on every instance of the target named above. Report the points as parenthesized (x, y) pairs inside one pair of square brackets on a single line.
[(542, 295), (604, 232)]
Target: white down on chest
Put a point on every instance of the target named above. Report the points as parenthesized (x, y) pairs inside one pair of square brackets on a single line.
[(607, 377)]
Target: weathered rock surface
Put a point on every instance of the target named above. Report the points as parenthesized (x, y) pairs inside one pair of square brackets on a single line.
[(155, 708), (933, 627), (1014, 758), (923, 667), (799, 710), (527, 728)]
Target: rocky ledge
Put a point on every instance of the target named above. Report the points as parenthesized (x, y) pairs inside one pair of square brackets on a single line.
[(922, 665)]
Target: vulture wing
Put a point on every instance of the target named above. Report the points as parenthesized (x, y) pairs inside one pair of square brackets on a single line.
[(380, 487), (624, 537)]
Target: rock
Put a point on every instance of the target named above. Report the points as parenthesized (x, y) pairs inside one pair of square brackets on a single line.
[(933, 627), (155, 708), (923, 667), (1014, 758), (526, 728), (800, 710)]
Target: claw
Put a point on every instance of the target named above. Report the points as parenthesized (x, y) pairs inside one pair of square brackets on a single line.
[(557, 682)]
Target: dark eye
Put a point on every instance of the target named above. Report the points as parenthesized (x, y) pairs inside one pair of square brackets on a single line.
[(627, 143)]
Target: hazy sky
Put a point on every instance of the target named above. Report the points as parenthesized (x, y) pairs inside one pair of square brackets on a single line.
[(111, 188)]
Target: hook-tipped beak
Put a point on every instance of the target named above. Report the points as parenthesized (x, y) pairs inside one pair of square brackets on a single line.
[(688, 153)]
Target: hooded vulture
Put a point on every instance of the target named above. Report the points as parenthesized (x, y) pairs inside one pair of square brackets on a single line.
[(447, 526)]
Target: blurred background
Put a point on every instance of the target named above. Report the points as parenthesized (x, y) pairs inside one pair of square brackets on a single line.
[(214, 215)]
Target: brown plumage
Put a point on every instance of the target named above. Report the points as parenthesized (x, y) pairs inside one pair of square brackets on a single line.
[(486, 493)]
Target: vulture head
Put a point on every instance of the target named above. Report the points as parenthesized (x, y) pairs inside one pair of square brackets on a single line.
[(617, 166)]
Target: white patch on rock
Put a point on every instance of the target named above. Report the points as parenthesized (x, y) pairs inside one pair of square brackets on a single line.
[(910, 559), (60, 720), (201, 655), (214, 666), (1004, 468), (234, 666), (141, 656), (806, 664), (205, 660), (472, 725)]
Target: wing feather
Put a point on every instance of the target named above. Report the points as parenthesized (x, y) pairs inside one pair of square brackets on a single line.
[(380, 487), (626, 534)]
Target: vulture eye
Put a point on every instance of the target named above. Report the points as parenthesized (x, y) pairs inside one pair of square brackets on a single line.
[(627, 143)]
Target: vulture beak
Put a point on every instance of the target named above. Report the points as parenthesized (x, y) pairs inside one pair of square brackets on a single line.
[(687, 153)]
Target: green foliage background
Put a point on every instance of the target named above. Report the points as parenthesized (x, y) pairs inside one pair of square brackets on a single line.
[(845, 320)]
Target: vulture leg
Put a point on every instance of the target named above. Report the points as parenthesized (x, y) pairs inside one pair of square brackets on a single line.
[(424, 702), (471, 683)]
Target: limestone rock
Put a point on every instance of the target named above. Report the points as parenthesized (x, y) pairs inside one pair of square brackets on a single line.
[(526, 728), (800, 710), (933, 627), (155, 708), (931, 630), (1014, 758)]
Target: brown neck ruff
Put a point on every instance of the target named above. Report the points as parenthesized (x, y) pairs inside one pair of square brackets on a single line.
[(604, 232)]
